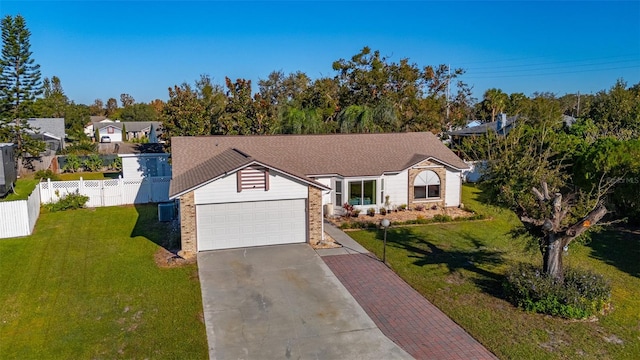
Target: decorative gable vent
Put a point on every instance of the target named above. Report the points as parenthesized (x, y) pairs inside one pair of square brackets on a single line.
[(252, 178)]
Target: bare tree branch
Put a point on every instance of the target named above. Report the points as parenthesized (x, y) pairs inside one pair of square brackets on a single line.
[(545, 189), (536, 222), (583, 225), (538, 194), (607, 223), (557, 210)]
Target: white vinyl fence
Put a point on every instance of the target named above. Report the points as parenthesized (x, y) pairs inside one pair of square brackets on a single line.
[(109, 192), (18, 218)]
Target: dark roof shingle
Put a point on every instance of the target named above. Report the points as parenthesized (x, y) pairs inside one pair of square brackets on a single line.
[(216, 166)]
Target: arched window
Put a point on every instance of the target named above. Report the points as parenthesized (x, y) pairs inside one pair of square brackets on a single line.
[(426, 185)]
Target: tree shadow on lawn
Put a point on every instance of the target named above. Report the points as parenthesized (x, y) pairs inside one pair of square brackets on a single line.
[(164, 234), (618, 247), (426, 252)]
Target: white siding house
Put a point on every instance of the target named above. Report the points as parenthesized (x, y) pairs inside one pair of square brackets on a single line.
[(224, 190), (274, 212), (112, 130), (453, 188)]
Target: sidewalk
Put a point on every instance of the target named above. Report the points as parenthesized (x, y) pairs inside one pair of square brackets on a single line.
[(349, 246)]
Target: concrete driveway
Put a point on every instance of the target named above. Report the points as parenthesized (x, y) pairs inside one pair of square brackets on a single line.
[(283, 302)]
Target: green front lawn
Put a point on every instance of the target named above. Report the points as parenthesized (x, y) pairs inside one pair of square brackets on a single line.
[(459, 267), (85, 286)]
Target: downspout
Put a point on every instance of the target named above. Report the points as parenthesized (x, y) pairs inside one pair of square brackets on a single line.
[(322, 220)]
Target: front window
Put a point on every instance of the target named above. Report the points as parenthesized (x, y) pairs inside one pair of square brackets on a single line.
[(426, 186), (362, 192)]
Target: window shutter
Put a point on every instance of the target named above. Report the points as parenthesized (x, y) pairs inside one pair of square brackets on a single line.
[(251, 178)]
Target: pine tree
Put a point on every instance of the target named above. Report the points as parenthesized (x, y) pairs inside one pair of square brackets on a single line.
[(19, 83)]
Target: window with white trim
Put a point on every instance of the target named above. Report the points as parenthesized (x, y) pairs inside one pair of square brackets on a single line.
[(362, 192), (426, 186), (338, 192)]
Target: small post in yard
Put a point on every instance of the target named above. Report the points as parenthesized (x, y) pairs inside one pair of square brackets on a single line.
[(385, 224)]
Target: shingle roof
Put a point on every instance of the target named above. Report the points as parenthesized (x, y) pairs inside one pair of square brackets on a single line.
[(140, 125), (485, 128), (99, 125), (307, 155), (216, 166), (97, 118), (54, 126)]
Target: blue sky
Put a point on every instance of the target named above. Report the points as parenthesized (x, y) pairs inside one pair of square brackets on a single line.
[(100, 49)]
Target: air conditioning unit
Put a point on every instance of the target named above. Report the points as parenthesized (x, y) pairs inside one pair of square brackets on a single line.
[(166, 211)]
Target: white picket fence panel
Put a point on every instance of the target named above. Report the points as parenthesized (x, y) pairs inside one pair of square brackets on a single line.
[(18, 218), (33, 208), (111, 192)]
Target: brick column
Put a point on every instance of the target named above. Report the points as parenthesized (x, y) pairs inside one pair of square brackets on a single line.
[(442, 174), (314, 206), (188, 232)]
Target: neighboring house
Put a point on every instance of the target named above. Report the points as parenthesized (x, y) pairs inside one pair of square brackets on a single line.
[(473, 123), (8, 174), (111, 129), (145, 160), (90, 128), (121, 131), (141, 129), (239, 191), (49, 130), (502, 126)]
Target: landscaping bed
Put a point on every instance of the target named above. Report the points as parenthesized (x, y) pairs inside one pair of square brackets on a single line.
[(401, 217)]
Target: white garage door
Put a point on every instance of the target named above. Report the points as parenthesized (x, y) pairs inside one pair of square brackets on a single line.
[(234, 225)]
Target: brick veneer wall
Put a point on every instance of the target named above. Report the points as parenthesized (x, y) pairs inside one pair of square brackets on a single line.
[(188, 230), (315, 215), (442, 174)]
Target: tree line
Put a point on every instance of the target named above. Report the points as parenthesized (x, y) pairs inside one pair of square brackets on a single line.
[(368, 92)]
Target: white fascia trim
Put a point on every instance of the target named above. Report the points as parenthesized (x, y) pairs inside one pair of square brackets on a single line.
[(436, 160)]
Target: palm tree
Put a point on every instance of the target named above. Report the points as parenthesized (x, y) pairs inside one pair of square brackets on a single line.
[(496, 100)]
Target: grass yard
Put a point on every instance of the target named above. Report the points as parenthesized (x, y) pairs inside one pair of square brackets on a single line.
[(85, 286), (23, 188), (459, 268)]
